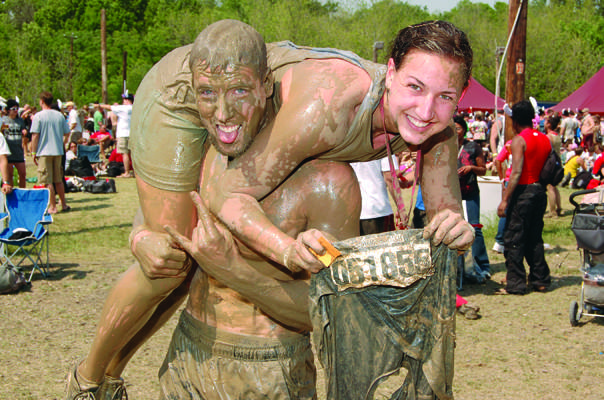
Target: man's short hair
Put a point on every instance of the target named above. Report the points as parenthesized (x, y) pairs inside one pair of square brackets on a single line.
[(523, 113), (46, 98), (227, 43)]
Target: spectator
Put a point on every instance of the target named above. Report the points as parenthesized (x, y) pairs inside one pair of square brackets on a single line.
[(122, 132), (478, 128), (14, 132), (553, 195), (470, 165), (568, 126), (75, 126), (523, 203), (98, 117), (7, 177), (103, 138), (71, 154), (375, 181), (49, 128), (571, 168)]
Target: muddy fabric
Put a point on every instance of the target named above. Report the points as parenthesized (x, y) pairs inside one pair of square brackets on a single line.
[(205, 363), (384, 341), (166, 137)]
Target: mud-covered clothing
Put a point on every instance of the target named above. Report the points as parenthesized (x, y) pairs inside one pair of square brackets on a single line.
[(167, 138), (365, 336), (468, 153), (204, 363), (14, 138)]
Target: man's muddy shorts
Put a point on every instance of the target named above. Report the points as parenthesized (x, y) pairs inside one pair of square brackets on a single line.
[(50, 169), (166, 137), (209, 364), (384, 318)]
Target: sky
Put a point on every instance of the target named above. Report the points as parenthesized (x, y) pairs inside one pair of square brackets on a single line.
[(444, 5)]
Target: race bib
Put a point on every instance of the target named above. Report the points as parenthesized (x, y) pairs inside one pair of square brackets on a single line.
[(397, 258)]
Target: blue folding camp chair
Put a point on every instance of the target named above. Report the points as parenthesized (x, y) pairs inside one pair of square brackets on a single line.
[(93, 153), (27, 228)]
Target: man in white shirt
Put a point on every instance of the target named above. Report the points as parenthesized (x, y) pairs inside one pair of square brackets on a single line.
[(75, 127), (122, 131), (376, 211)]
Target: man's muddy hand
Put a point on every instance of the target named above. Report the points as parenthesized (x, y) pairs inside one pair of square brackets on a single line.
[(298, 256), (157, 255), (450, 228), (211, 242)]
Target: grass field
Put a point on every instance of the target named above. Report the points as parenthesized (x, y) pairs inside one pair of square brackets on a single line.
[(522, 348)]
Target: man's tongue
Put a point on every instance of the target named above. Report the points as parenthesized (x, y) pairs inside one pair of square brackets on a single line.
[(228, 134)]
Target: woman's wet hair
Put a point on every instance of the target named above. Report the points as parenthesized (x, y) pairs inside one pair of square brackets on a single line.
[(438, 37), (229, 43), (523, 113)]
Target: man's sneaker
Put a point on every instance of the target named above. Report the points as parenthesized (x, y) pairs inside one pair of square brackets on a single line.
[(79, 391), (112, 389), (498, 248)]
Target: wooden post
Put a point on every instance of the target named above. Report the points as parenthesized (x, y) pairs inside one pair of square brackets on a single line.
[(105, 97), (516, 59), (124, 70)]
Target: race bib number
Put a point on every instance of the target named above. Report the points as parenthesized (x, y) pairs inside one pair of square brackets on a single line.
[(397, 258)]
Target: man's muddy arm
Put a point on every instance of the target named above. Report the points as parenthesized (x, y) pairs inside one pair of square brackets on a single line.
[(150, 243)]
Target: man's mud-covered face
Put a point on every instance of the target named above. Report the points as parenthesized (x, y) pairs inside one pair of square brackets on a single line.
[(231, 104), (423, 94)]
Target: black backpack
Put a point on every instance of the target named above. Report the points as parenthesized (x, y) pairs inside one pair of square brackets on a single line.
[(80, 167), (552, 171)]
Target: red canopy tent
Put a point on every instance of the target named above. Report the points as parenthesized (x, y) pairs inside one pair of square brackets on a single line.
[(590, 95), (478, 98)]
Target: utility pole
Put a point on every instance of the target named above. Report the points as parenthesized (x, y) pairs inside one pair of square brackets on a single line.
[(516, 60), (104, 96), (124, 70), (376, 47)]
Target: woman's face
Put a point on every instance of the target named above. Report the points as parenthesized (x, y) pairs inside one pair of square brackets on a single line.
[(423, 94)]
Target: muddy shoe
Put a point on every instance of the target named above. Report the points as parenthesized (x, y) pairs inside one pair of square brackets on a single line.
[(112, 389), (77, 390), (469, 311)]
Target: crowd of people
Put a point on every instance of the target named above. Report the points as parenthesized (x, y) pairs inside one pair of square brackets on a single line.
[(107, 126)]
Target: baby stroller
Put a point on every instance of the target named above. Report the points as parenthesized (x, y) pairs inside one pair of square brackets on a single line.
[(588, 227)]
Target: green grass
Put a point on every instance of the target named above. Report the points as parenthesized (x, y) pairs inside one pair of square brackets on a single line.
[(522, 347)]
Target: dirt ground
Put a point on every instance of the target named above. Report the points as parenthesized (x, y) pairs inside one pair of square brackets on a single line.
[(523, 347)]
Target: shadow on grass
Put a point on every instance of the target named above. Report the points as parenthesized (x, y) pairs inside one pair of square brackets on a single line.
[(94, 229), (92, 208), (83, 200), (60, 271), (490, 287)]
